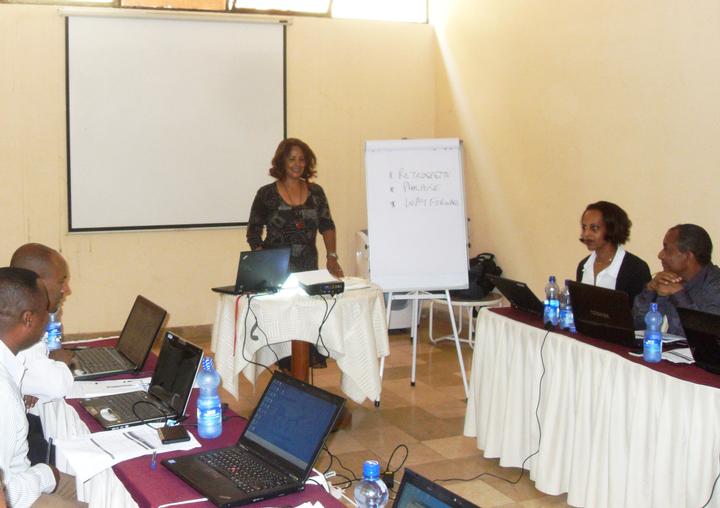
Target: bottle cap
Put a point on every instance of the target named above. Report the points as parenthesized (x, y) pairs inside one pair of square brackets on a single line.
[(207, 363), (653, 307), (552, 278), (371, 470)]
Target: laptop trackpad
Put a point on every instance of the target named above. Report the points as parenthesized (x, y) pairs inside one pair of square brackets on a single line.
[(202, 475)]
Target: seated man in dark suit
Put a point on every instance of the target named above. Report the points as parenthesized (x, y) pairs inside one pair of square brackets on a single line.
[(689, 279)]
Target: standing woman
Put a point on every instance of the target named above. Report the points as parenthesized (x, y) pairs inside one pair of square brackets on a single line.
[(605, 227), (292, 210)]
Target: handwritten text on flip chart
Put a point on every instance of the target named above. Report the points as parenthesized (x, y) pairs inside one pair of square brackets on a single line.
[(420, 189)]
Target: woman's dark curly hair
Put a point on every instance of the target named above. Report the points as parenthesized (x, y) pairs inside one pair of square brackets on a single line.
[(283, 151), (617, 222)]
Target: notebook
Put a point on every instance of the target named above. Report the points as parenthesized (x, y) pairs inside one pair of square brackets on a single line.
[(603, 314), (276, 451), (702, 331), (259, 271), (167, 396), (132, 348), (518, 294), (416, 491)]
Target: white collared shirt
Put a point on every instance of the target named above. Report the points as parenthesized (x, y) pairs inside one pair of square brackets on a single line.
[(23, 484), (45, 378), (606, 278)]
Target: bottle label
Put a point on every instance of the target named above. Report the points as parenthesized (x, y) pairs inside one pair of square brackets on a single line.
[(209, 413), (652, 346), (552, 312)]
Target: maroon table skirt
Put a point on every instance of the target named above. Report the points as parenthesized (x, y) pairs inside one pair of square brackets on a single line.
[(154, 487), (686, 372)]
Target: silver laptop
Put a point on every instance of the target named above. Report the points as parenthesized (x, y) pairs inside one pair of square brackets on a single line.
[(133, 346), (167, 396)]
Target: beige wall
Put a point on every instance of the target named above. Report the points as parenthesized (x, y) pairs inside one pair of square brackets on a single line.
[(348, 81), (559, 104), (567, 102)]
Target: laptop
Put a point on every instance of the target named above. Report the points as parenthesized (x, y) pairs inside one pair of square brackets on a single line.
[(259, 271), (132, 348), (518, 294), (276, 451), (167, 396), (702, 331), (603, 314), (416, 491)]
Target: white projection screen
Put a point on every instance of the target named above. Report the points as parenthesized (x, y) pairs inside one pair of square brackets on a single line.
[(171, 123)]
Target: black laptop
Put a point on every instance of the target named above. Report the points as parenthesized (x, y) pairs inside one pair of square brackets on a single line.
[(132, 348), (518, 294), (167, 396), (259, 271), (276, 451), (603, 314), (416, 491), (702, 331)]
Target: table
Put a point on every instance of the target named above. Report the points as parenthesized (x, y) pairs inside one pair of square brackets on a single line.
[(615, 431), (132, 483), (261, 328)]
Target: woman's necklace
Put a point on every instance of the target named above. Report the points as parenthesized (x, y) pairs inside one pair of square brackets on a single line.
[(600, 262), (297, 212)]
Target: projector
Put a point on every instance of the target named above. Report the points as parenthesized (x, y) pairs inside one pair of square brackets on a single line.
[(333, 287)]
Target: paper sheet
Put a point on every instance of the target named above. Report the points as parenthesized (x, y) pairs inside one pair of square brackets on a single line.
[(90, 389), (667, 338), (682, 355), (93, 453), (80, 342)]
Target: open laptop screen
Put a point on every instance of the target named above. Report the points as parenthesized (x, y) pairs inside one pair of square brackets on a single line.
[(261, 270), (290, 422), (140, 330), (175, 372), (416, 491)]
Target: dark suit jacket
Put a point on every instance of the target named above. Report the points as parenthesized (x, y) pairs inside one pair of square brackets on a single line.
[(633, 275)]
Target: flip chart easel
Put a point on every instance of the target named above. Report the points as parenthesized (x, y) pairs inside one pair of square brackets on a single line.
[(417, 297), (417, 224)]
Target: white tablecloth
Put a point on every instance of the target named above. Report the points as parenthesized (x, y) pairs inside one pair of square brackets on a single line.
[(614, 433), (105, 490), (355, 334)]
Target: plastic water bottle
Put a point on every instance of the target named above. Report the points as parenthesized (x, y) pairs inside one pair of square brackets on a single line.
[(567, 320), (552, 303), (209, 407), (53, 333), (371, 492), (652, 343)]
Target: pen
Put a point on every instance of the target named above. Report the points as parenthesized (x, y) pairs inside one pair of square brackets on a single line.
[(134, 440), (103, 449), (153, 461), (140, 439)]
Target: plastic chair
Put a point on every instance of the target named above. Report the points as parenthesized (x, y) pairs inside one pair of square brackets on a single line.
[(462, 304)]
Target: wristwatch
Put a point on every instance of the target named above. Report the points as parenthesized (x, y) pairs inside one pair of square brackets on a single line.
[(333, 255)]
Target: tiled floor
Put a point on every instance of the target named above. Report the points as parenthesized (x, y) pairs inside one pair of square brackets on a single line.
[(428, 418)]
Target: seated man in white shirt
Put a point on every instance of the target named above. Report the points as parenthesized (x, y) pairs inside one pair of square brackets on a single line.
[(23, 317), (48, 377)]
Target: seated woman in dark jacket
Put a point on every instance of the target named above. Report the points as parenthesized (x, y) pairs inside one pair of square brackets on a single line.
[(605, 227)]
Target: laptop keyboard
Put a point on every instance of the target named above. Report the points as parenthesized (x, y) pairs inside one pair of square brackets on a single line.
[(100, 360), (247, 472), (122, 406)]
